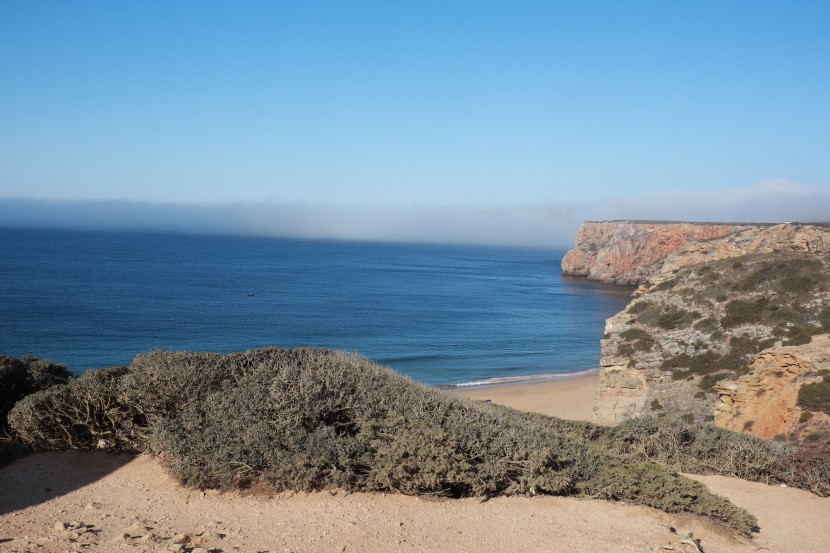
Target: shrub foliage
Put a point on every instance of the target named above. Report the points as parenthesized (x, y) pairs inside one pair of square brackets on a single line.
[(21, 377), (311, 419)]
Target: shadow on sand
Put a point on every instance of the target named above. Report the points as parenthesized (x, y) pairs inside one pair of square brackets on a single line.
[(40, 477)]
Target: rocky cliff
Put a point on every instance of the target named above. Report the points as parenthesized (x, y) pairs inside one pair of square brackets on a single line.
[(628, 252), (765, 402), (690, 328)]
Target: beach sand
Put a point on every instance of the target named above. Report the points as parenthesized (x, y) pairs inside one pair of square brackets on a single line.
[(571, 398), (130, 504)]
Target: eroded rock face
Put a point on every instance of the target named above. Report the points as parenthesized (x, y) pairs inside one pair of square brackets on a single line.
[(690, 329), (625, 252), (793, 238), (764, 402)]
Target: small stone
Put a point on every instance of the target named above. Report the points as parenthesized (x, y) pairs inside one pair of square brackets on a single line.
[(60, 526), (181, 538), (175, 547), (199, 550)]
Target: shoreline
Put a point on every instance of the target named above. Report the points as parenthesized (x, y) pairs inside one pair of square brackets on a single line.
[(566, 398), (523, 379)]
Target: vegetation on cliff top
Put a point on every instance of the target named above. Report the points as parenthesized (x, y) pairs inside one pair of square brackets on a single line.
[(310, 419), (19, 378), (712, 319)]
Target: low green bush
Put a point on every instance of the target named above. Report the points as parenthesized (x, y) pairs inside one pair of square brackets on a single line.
[(634, 340), (816, 396), (708, 381), (311, 419), (707, 326), (705, 449)]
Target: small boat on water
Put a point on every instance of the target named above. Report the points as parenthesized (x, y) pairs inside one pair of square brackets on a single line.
[(251, 294)]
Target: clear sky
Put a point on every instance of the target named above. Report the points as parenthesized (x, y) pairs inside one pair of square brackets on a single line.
[(412, 104)]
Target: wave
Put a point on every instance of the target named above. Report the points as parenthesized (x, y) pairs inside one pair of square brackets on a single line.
[(518, 379)]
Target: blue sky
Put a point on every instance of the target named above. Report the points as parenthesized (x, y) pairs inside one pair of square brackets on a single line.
[(423, 105)]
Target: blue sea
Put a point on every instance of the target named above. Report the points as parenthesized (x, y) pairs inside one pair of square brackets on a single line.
[(442, 315)]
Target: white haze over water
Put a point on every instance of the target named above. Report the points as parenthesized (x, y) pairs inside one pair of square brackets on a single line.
[(549, 224)]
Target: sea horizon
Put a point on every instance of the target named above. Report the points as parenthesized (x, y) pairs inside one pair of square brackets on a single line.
[(443, 314)]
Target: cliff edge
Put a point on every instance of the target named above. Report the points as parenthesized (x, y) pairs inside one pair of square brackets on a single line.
[(730, 341), (630, 252)]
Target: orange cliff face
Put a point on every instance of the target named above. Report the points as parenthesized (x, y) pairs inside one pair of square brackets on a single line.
[(626, 252)]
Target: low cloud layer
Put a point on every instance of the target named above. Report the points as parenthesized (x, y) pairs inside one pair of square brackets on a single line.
[(549, 224)]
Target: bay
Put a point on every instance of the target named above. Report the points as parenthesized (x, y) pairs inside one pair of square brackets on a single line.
[(440, 314)]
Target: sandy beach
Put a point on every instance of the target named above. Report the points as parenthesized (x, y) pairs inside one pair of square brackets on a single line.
[(124, 503), (570, 398)]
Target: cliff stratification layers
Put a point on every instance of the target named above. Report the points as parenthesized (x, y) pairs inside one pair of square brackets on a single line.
[(765, 402), (628, 252), (692, 334)]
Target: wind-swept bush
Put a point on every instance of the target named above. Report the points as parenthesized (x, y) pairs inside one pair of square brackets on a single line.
[(21, 377), (311, 419), (701, 449), (87, 413)]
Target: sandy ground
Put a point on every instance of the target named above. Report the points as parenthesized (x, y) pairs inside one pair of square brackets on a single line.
[(572, 398), (81, 501)]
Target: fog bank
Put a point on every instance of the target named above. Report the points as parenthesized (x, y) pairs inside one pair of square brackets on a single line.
[(548, 224)]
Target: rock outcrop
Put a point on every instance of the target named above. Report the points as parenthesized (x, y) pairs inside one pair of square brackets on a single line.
[(628, 252), (765, 401), (689, 329), (791, 237)]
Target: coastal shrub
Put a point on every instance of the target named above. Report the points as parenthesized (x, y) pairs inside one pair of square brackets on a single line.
[(672, 318), (86, 413), (311, 419), (741, 353), (815, 396), (701, 363), (808, 469), (706, 326), (708, 381), (799, 335), (667, 284), (701, 448), (357, 426), (21, 377), (634, 340), (739, 312), (638, 307), (798, 284)]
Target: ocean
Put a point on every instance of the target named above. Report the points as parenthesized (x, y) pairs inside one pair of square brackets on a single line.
[(441, 314)]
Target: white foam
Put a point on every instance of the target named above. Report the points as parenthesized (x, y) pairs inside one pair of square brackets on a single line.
[(522, 379)]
